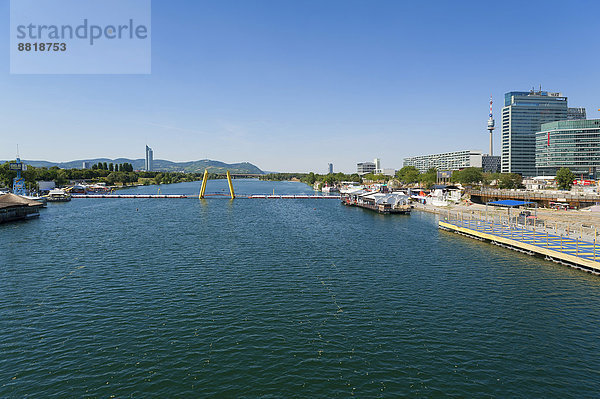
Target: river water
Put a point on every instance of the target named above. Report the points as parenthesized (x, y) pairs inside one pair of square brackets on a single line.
[(266, 298)]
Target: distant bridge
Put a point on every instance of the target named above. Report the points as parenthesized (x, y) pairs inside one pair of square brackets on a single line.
[(239, 175)]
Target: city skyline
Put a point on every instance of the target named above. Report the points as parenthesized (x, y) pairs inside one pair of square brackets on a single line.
[(292, 86)]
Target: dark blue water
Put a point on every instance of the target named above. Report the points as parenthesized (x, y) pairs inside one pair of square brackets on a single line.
[(281, 298)]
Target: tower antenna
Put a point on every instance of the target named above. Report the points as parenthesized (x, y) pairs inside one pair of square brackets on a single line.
[(490, 127)]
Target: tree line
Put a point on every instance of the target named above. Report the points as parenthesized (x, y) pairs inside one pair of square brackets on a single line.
[(468, 176), (122, 173), (410, 175), (475, 176), (311, 178)]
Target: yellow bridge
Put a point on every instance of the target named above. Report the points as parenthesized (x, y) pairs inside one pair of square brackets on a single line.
[(205, 179)]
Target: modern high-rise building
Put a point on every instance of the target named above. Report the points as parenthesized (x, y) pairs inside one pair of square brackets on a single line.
[(573, 144), (491, 163), (576, 113), (330, 168), (362, 168), (377, 163), (446, 161), (149, 164), (522, 116), (86, 165)]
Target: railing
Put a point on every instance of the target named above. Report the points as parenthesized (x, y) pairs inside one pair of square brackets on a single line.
[(565, 237), (537, 195)]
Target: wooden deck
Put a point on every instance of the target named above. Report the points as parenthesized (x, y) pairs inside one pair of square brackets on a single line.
[(566, 250)]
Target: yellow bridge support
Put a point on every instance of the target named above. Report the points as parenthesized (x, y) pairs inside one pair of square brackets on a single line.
[(230, 185), (205, 178), (203, 187)]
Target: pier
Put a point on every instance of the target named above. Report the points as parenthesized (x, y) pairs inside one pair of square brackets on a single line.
[(532, 240)]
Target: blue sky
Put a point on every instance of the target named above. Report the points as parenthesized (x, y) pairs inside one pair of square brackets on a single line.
[(293, 85)]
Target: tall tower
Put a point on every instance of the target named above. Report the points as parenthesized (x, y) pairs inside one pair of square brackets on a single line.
[(491, 127), (149, 164), (522, 116)]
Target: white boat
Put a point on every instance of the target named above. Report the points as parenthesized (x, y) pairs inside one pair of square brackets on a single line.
[(57, 195), (330, 189)]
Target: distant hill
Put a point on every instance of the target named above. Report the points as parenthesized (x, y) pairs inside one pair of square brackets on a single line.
[(160, 165)]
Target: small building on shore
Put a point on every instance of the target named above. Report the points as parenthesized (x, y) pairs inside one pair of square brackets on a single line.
[(14, 207)]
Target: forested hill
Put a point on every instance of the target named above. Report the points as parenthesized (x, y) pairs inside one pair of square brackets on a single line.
[(160, 165)]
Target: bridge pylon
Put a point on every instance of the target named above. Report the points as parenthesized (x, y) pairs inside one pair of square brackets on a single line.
[(205, 179), (230, 185), (203, 187)]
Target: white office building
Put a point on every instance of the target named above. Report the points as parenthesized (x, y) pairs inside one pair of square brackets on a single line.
[(446, 161), (362, 168)]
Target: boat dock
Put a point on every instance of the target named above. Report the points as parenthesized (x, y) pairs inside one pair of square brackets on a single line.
[(385, 203), (571, 251), (382, 208)]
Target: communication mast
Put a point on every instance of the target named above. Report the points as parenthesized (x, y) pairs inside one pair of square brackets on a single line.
[(490, 127)]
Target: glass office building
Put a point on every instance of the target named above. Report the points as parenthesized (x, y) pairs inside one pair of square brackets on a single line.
[(573, 144), (491, 163), (576, 113), (522, 116)]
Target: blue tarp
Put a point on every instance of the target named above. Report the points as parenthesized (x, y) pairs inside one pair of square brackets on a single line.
[(510, 203)]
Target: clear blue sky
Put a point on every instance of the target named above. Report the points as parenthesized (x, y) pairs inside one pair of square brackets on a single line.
[(293, 85)]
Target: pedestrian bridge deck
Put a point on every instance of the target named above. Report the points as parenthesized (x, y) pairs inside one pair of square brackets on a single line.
[(210, 195)]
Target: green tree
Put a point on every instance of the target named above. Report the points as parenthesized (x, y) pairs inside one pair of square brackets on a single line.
[(488, 178), (510, 180), (429, 178), (111, 167), (408, 174), (564, 178), (61, 178), (375, 177), (111, 179), (468, 176), (330, 180)]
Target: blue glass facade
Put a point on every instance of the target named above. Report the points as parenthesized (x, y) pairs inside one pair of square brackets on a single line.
[(573, 144), (522, 116)]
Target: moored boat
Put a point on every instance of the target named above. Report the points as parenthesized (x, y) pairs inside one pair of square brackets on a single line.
[(57, 195)]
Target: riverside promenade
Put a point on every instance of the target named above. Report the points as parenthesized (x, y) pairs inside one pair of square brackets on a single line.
[(532, 240)]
